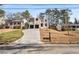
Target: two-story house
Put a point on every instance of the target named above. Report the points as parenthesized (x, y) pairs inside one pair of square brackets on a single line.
[(32, 23), (38, 23)]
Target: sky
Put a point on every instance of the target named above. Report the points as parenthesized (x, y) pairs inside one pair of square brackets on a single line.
[(35, 9)]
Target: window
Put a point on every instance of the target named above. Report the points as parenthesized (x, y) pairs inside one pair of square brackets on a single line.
[(10, 23), (14, 23), (73, 26), (45, 24), (19, 23), (45, 20), (41, 24), (36, 19), (77, 26)]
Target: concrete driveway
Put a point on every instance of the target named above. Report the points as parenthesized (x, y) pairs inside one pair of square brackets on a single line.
[(30, 36)]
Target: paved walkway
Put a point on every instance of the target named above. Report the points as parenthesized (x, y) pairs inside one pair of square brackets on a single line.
[(31, 36)]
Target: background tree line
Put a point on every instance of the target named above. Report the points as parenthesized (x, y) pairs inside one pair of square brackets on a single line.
[(56, 16)]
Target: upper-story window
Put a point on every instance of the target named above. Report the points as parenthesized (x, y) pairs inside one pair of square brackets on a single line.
[(36, 19), (14, 23), (11, 23), (45, 20), (19, 23)]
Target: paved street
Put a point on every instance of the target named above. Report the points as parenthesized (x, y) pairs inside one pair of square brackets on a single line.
[(40, 49)]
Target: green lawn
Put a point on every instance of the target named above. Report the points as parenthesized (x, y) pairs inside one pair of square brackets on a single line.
[(8, 37)]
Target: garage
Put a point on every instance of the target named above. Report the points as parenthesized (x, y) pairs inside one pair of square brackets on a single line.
[(31, 26), (36, 26)]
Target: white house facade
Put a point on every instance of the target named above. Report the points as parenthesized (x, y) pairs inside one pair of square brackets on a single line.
[(38, 23)]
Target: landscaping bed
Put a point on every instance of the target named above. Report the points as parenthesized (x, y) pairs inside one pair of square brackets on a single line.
[(11, 36), (59, 37)]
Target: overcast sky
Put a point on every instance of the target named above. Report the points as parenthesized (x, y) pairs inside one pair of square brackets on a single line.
[(35, 9)]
